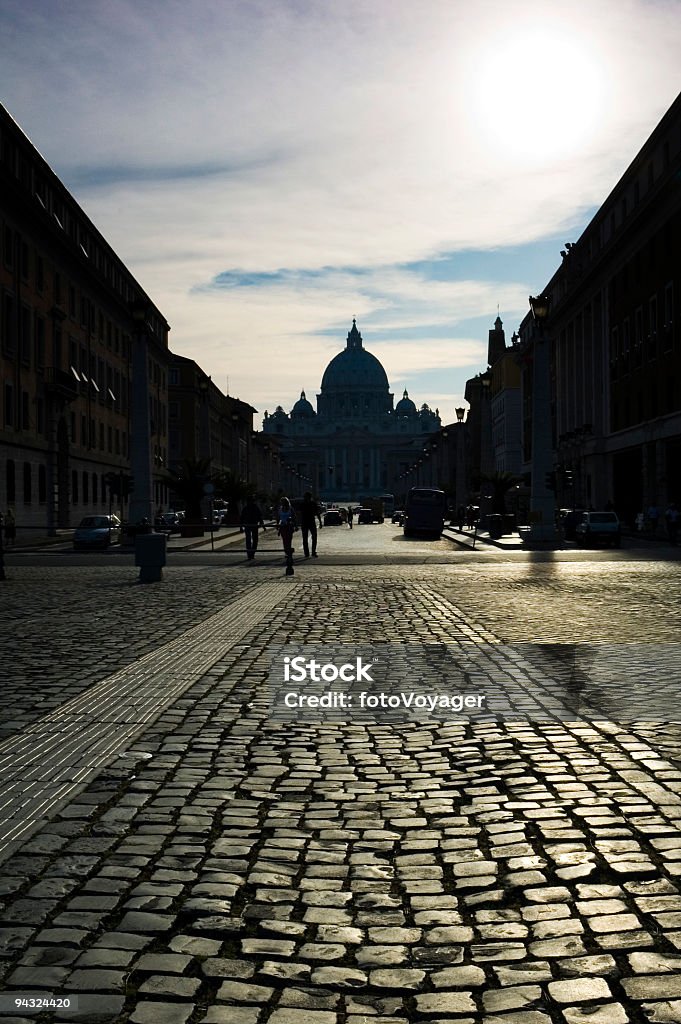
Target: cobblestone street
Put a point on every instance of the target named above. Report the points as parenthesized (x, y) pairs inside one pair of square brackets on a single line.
[(173, 854)]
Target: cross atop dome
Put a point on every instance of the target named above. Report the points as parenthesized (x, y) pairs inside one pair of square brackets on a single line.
[(354, 337)]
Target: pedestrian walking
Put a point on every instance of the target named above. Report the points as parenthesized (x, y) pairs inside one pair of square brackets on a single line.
[(286, 527), (672, 520), (460, 517), (10, 528), (653, 518), (310, 515), (350, 515), (251, 521)]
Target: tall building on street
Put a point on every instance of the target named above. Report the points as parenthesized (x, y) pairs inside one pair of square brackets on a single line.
[(615, 337), (83, 357)]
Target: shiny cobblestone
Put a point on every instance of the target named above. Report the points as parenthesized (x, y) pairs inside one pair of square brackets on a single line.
[(253, 872)]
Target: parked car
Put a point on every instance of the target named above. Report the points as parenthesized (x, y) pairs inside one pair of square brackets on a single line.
[(398, 516), (365, 515), (332, 517), (167, 522), (97, 532), (598, 528)]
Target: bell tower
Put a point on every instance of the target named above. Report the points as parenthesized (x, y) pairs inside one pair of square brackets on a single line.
[(496, 345)]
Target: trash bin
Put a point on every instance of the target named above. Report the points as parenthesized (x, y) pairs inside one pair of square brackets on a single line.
[(510, 523), (150, 556), (495, 525)]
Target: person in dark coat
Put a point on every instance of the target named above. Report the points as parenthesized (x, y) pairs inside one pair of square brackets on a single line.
[(251, 521), (309, 516)]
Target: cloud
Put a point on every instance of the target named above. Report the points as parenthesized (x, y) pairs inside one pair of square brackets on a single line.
[(267, 171)]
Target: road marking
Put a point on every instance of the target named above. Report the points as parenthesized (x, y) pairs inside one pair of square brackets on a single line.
[(42, 767)]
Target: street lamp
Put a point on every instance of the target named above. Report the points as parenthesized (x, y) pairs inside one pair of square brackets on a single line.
[(460, 455), (542, 494)]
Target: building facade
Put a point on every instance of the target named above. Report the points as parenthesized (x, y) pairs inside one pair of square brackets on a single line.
[(356, 443), (616, 342), (83, 356)]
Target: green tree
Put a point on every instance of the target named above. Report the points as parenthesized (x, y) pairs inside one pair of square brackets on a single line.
[(501, 483), (188, 483)]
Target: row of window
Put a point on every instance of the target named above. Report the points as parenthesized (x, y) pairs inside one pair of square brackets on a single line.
[(80, 309), (27, 339), (93, 434), (62, 212), (27, 479), (645, 328), (86, 488)]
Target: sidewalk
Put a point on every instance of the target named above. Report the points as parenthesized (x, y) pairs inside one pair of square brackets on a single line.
[(514, 541), (469, 539)]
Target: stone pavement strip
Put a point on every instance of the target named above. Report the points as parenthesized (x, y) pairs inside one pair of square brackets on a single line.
[(42, 767), (239, 870)]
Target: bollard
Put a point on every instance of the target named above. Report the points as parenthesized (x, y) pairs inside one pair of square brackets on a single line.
[(150, 556)]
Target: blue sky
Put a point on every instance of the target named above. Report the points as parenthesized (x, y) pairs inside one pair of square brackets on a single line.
[(271, 170)]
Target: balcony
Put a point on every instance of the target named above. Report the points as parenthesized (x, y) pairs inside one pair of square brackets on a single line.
[(61, 383)]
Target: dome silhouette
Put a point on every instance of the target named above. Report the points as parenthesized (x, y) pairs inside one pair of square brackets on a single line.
[(355, 368), (302, 409), (405, 406)]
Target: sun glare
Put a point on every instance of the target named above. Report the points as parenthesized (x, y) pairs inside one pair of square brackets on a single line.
[(537, 98)]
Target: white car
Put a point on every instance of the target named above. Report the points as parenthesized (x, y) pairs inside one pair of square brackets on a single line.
[(97, 532), (598, 528)]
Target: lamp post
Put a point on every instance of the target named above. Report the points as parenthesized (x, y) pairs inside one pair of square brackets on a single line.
[(542, 495), (460, 470)]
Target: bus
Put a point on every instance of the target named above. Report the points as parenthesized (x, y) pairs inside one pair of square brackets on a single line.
[(424, 511), (388, 504)]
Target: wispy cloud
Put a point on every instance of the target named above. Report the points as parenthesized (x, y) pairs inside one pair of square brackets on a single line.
[(270, 170)]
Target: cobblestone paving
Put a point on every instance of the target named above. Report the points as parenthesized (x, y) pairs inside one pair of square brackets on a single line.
[(61, 630), (247, 872)]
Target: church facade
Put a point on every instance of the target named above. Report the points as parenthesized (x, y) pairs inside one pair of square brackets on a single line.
[(356, 443)]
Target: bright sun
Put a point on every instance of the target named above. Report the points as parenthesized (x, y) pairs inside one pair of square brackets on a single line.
[(541, 100)]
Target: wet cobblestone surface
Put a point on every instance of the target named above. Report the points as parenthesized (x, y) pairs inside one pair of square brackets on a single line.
[(236, 870)]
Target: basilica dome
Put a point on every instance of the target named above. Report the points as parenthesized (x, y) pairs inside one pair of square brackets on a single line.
[(355, 369)]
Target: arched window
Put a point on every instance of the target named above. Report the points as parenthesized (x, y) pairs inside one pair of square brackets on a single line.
[(27, 483), (74, 486), (86, 487), (95, 481), (42, 485)]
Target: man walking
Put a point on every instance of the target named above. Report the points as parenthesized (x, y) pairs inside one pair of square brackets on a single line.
[(309, 515), (251, 519)]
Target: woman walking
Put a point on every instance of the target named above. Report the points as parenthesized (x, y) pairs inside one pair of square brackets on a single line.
[(286, 527)]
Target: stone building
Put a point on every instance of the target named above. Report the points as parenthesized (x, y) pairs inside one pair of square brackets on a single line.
[(615, 337), (356, 443), (83, 356)]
